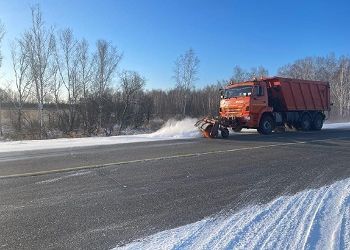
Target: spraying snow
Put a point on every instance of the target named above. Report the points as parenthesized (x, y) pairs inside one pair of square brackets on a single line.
[(312, 219), (178, 129)]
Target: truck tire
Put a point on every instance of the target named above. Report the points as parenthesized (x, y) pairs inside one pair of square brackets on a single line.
[(266, 125), (305, 122), (317, 123), (225, 133)]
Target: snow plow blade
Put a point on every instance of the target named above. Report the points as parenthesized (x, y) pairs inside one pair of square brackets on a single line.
[(209, 127)]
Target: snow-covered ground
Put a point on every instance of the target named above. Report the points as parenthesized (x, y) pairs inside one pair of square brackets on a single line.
[(312, 219), (172, 129), (338, 125)]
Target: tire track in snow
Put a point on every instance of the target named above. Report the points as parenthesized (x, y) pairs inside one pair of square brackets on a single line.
[(312, 218), (310, 223)]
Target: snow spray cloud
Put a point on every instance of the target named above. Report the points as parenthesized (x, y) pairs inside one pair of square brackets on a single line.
[(178, 129), (311, 219)]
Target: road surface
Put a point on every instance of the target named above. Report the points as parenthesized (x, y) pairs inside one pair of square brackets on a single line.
[(104, 196)]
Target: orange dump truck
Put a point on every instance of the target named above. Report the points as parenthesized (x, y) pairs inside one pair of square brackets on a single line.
[(268, 104)]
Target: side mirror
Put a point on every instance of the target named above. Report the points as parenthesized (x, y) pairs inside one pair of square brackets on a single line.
[(221, 93)]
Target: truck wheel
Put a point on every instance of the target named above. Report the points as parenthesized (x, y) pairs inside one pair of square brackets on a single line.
[(266, 125), (225, 133), (237, 129), (305, 123), (317, 123)]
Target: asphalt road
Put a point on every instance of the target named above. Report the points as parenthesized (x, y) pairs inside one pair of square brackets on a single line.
[(104, 196)]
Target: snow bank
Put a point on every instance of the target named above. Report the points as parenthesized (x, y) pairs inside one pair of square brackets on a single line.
[(338, 125), (172, 129), (318, 218)]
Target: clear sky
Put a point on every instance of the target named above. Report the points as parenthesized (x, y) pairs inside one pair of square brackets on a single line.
[(152, 33)]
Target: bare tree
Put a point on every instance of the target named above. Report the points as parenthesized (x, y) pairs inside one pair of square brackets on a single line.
[(341, 87), (2, 33), (67, 63), (106, 60), (39, 44), (241, 75), (185, 75), (20, 64), (84, 65), (131, 83)]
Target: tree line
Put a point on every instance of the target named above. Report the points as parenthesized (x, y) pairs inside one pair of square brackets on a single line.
[(73, 87)]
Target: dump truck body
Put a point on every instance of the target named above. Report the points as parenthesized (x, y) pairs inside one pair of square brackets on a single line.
[(270, 103), (296, 95)]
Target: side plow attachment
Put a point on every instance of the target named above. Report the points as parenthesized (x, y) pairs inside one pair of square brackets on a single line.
[(210, 128)]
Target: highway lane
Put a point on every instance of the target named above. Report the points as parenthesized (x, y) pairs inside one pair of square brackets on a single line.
[(124, 192)]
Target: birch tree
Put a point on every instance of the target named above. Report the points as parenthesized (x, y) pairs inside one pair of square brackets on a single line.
[(20, 65), (84, 64), (131, 84), (185, 75), (106, 60), (39, 44), (2, 33), (67, 63)]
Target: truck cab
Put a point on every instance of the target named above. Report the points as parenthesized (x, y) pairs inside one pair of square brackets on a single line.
[(242, 104)]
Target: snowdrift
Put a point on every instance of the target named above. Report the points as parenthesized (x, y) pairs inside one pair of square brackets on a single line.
[(312, 219), (338, 125)]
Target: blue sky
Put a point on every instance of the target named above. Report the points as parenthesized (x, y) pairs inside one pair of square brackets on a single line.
[(223, 33)]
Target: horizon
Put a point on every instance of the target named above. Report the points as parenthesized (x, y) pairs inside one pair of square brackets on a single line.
[(152, 34)]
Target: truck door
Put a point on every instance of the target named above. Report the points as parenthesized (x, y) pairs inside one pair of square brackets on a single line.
[(258, 102)]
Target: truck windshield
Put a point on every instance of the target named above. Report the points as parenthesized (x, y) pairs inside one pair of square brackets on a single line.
[(238, 91)]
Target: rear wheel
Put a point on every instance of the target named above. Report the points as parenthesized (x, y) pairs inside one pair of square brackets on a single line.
[(225, 133), (266, 125), (317, 123), (305, 123)]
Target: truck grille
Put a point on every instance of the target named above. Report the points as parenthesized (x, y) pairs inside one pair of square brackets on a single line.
[(233, 110)]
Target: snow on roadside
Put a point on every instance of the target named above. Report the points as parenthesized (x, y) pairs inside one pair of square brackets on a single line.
[(317, 218), (172, 129), (338, 125)]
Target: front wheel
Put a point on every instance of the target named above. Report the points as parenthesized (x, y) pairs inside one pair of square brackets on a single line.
[(225, 133), (266, 125)]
